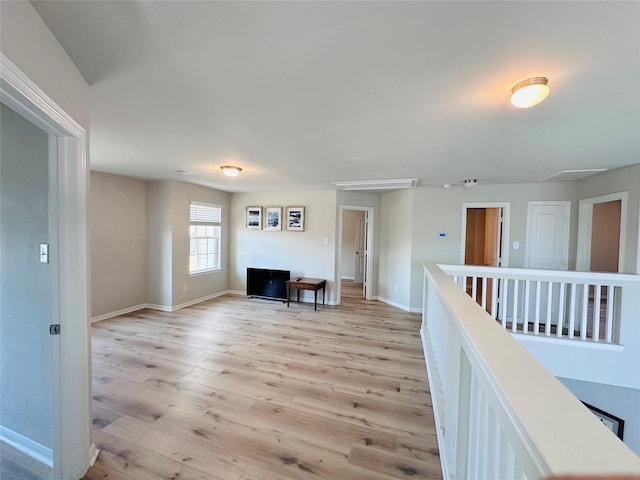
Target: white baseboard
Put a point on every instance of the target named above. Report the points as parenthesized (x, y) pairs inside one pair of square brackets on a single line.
[(237, 293), (197, 300), (93, 454), (23, 444), (122, 311), (347, 278), (398, 305)]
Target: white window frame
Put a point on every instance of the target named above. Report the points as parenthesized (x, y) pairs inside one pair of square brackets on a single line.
[(198, 216)]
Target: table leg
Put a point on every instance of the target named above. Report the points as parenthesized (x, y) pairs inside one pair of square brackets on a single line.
[(315, 299), (288, 294)]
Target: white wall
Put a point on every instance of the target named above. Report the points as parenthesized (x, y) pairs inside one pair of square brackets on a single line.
[(350, 218), (25, 289), (438, 210), (118, 243), (622, 402), (394, 266), (624, 179), (305, 254)]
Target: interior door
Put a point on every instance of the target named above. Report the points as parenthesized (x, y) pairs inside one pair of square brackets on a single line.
[(26, 409), (360, 236), (548, 235)]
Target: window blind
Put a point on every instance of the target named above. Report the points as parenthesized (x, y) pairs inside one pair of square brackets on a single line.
[(203, 213)]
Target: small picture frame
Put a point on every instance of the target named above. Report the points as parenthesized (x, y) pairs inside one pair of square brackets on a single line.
[(273, 219), (295, 219), (253, 219), (613, 423)]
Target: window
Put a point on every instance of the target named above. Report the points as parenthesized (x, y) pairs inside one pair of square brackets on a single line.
[(204, 237)]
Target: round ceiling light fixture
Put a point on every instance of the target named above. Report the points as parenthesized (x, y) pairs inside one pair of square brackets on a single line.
[(230, 170), (529, 92)]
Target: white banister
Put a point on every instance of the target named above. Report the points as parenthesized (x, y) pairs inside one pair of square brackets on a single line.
[(499, 413)]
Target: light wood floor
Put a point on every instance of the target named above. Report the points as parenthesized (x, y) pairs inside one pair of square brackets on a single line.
[(249, 389)]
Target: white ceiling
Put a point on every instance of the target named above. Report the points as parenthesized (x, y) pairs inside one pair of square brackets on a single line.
[(302, 94)]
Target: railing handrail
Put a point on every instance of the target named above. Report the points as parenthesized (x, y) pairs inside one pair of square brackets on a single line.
[(560, 435), (616, 279)]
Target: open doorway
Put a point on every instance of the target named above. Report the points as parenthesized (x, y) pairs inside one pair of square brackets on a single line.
[(485, 234), (602, 230), (485, 231), (355, 244)]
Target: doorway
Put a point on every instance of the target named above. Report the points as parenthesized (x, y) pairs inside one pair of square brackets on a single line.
[(485, 234), (548, 235), (69, 376), (355, 244), (602, 228), (26, 348)]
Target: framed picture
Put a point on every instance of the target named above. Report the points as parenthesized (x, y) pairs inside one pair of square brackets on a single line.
[(273, 219), (295, 219), (254, 218), (613, 423)]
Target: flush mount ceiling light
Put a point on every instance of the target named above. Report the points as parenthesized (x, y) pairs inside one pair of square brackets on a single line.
[(470, 182), (230, 170), (529, 92)]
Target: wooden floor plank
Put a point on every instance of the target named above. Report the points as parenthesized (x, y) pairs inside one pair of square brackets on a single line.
[(247, 389)]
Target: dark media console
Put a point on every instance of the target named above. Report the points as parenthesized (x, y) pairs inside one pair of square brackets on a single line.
[(265, 283)]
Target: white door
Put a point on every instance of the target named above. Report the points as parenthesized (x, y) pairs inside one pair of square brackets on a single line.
[(548, 235), (360, 250)]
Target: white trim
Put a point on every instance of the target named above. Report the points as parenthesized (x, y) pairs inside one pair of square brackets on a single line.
[(542, 203), (506, 227), (370, 216), (94, 452), (68, 237), (347, 278), (117, 313), (398, 305), (23, 444), (162, 308), (238, 293), (197, 300), (585, 225)]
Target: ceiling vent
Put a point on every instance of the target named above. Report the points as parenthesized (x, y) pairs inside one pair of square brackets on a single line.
[(570, 175), (184, 172), (377, 184)]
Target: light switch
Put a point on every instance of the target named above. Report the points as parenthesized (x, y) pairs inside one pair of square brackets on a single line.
[(516, 245), (44, 253)]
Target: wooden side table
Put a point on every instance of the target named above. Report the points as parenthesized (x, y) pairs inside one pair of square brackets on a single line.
[(300, 283)]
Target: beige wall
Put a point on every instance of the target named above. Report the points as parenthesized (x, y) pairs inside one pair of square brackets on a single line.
[(187, 288), (303, 253), (437, 210), (118, 240), (396, 214)]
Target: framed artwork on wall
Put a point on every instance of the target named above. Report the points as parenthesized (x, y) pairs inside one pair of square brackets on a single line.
[(295, 219), (613, 423), (253, 219), (273, 219)]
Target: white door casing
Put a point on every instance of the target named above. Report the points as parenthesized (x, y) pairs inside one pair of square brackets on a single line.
[(585, 219), (547, 235), (360, 233), (369, 242), (72, 448), (506, 222)]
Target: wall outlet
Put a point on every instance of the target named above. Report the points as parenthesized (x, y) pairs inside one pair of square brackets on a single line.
[(185, 288), (395, 288)]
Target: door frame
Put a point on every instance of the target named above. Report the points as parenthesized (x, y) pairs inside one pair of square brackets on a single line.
[(585, 226), (73, 451), (506, 216), (537, 203), (368, 247)]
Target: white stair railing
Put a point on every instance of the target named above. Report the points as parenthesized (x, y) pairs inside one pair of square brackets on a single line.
[(560, 304), (499, 413)]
